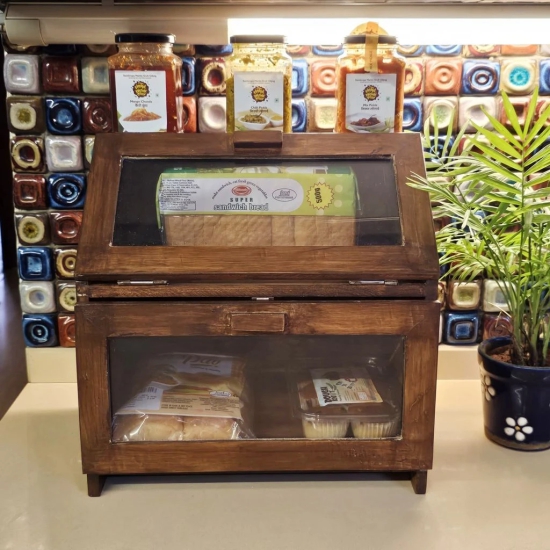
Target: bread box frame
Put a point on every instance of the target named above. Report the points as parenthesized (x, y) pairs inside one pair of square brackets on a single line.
[(152, 290)]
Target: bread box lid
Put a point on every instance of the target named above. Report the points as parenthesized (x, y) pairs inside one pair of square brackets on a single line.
[(256, 206)]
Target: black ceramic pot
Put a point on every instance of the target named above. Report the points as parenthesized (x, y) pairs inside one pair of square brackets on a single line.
[(516, 401)]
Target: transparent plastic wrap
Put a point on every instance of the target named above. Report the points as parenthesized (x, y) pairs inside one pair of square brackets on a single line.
[(335, 403), (188, 397)]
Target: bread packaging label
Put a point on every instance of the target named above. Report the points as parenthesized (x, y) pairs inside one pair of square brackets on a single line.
[(182, 401), (340, 388), (285, 194)]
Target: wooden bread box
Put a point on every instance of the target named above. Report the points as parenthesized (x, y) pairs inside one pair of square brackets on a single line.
[(256, 303)]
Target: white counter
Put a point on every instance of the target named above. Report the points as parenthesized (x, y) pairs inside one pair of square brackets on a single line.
[(480, 496)]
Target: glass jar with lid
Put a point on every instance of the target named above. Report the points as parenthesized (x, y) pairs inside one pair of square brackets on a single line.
[(371, 80), (145, 84), (259, 84)]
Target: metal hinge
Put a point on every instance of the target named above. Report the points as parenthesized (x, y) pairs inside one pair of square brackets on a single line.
[(142, 283), (387, 283), (262, 298)]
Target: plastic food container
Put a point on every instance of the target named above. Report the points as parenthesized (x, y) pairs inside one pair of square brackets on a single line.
[(336, 403)]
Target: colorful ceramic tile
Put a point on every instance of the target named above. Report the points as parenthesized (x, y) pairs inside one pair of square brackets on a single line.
[(414, 78), (480, 77), (63, 115), (496, 324), (66, 191), (300, 77), (440, 223), (520, 105), (524, 49), (37, 297), (461, 328), (463, 295), (89, 142), (29, 192), (299, 115), (542, 105), (25, 115), (412, 114), (225, 49), (97, 116), (32, 228), (544, 77), (189, 114), (441, 112), (519, 76), (323, 78), (410, 51), (60, 74), (437, 146), (66, 296), (35, 263), (328, 51), (95, 75), (65, 262), (64, 153), (449, 50), (443, 76), (21, 73), (60, 49), (188, 80), (296, 51), (66, 330), (40, 330), (470, 110), (104, 50), (442, 293), (443, 268), (211, 115), (494, 300), (211, 75), (65, 226), (187, 50), (485, 50), (545, 50), (27, 154), (321, 115)]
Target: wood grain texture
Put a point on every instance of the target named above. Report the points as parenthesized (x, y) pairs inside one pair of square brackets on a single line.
[(415, 260), (97, 322), (303, 289)]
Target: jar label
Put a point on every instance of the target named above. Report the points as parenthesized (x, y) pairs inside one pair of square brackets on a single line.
[(259, 101), (141, 101), (370, 102)]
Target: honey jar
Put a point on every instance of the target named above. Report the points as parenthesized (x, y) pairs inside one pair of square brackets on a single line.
[(371, 79), (145, 84)]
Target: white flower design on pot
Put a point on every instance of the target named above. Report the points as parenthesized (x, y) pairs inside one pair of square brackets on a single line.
[(486, 388), (518, 428)]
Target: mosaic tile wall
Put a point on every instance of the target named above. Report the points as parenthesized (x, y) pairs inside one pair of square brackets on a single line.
[(58, 101)]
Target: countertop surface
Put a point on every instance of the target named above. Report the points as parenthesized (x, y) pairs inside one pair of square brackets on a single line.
[(480, 496)]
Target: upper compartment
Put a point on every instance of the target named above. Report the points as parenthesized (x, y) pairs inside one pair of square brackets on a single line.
[(250, 206)]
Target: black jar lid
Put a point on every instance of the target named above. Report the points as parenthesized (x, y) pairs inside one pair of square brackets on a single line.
[(360, 39), (145, 37), (258, 39)]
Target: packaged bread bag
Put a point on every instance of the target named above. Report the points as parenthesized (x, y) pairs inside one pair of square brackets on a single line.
[(188, 397)]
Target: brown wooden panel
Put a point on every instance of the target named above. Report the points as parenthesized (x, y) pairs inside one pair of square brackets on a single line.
[(305, 289), (99, 261), (96, 322), (257, 322)]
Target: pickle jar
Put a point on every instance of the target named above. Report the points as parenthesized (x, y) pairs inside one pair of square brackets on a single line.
[(371, 80), (259, 84), (145, 84)]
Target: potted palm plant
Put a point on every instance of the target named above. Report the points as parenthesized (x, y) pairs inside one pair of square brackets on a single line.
[(496, 192)]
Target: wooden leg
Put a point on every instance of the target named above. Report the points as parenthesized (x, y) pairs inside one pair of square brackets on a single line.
[(95, 484), (419, 480)]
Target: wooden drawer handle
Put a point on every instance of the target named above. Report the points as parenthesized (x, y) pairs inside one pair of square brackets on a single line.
[(258, 322)]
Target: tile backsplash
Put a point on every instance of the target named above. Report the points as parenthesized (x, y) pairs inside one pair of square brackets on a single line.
[(58, 101)]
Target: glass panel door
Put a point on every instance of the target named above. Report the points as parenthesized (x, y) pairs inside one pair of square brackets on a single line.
[(184, 388)]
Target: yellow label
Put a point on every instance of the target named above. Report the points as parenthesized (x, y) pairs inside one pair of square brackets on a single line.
[(371, 57), (320, 195)]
